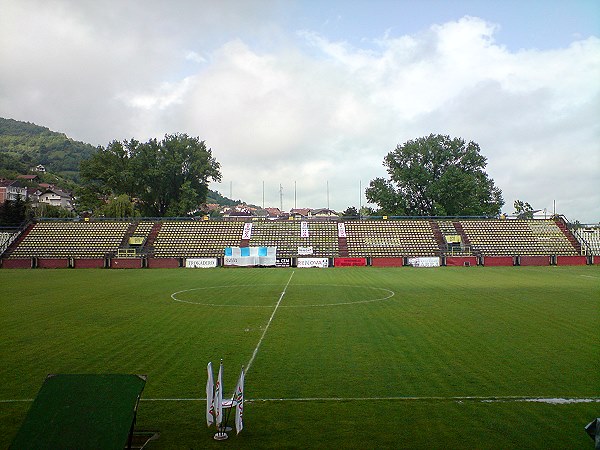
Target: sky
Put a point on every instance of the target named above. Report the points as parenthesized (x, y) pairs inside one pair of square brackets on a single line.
[(300, 100)]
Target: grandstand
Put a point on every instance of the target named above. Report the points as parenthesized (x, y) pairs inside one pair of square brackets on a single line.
[(320, 239), (69, 240), (186, 239), (72, 243), (589, 238), (517, 237), (383, 238)]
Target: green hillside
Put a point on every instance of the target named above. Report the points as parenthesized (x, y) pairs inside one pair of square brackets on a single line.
[(24, 145)]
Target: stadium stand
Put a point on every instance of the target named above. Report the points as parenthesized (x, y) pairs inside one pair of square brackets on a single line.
[(4, 238), (517, 237), (321, 238), (185, 239), (69, 240), (589, 237), (167, 243), (383, 238)]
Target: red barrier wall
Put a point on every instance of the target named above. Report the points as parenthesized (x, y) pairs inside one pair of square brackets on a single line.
[(534, 260), (16, 263), (498, 261), (596, 260), (53, 263), (347, 262), (163, 263), (125, 263), (387, 262), (97, 263), (571, 260), (461, 260)]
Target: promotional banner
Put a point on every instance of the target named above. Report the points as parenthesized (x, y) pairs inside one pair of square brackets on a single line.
[(453, 238), (424, 261), (305, 250), (304, 229), (341, 229), (349, 262), (283, 262), (250, 256), (201, 263), (313, 262), (247, 233)]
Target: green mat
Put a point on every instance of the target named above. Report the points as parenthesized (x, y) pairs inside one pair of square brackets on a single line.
[(82, 411)]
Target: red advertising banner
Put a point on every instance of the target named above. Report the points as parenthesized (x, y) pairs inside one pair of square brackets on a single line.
[(571, 260), (387, 262), (125, 263), (461, 260), (53, 263), (498, 261), (16, 263), (349, 262), (92, 263), (534, 260), (163, 263)]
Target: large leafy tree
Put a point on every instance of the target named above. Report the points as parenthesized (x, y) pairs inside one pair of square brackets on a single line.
[(167, 177), (436, 176)]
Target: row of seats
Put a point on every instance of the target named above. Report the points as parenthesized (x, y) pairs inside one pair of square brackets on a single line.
[(287, 237), (589, 238), (196, 239), (517, 237), (74, 239), (391, 238), (374, 238)]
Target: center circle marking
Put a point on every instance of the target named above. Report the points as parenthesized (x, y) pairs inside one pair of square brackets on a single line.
[(385, 295)]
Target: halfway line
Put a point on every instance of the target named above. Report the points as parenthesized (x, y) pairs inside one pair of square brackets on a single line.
[(268, 323)]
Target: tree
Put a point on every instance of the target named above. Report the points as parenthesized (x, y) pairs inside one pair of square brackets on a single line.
[(436, 176), (120, 206), (523, 210), (350, 211), (168, 177), (13, 212)]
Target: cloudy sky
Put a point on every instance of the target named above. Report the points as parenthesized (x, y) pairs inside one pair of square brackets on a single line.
[(311, 95)]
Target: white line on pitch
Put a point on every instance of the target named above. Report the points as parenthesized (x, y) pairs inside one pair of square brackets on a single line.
[(268, 323), (483, 399)]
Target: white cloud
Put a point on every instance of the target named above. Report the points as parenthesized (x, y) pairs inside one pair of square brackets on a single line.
[(292, 106)]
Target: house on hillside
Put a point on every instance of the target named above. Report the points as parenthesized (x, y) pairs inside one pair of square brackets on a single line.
[(39, 168), (322, 213), (299, 213), (273, 213), (11, 190), (56, 197), (29, 178)]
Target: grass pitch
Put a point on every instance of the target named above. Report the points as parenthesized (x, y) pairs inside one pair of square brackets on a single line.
[(352, 358)]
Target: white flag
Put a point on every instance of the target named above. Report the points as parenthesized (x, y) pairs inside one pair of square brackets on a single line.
[(210, 396), (219, 397), (238, 401)]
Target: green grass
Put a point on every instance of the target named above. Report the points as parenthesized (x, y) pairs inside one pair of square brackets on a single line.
[(445, 333)]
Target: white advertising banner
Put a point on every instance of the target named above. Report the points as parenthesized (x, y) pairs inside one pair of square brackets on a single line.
[(305, 250), (250, 256), (201, 263), (304, 263), (304, 229), (247, 233), (341, 229), (424, 261), (242, 261)]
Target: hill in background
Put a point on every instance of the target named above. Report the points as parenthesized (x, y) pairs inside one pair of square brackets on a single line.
[(24, 145)]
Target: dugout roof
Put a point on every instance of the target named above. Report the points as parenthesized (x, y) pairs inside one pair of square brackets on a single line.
[(82, 411)]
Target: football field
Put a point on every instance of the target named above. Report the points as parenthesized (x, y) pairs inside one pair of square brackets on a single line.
[(505, 357)]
